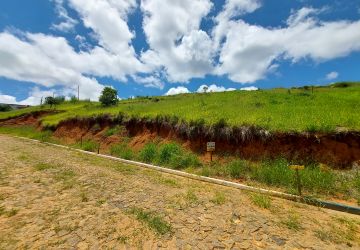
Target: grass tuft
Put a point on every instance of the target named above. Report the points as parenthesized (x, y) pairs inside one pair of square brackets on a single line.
[(155, 222), (261, 200)]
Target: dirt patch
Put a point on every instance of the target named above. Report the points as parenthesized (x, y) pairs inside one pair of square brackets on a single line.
[(27, 119)]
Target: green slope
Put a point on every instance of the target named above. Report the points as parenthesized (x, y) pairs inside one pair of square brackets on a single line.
[(324, 109)]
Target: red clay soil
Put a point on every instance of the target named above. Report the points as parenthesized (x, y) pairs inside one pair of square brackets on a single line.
[(26, 119), (336, 149), (341, 150)]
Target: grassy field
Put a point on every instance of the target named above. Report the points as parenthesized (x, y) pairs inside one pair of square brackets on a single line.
[(323, 109)]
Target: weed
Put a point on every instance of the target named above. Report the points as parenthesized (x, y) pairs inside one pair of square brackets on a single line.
[(148, 153), (261, 200), (126, 169), (89, 145), (274, 173), (167, 152), (66, 177), (117, 130), (169, 182), (237, 169), (155, 222), (219, 198), (44, 166), (191, 197), (122, 150), (292, 221)]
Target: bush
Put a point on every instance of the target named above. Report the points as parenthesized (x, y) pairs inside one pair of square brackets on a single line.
[(185, 160), (276, 173), (115, 130), (237, 169), (172, 155), (122, 150), (108, 97), (53, 101), (315, 180), (89, 145), (73, 99), (148, 153), (167, 152), (5, 107)]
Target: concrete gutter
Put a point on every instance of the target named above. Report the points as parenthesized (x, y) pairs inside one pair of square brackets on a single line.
[(306, 200)]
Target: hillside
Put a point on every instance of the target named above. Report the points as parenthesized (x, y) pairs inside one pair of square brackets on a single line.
[(323, 109)]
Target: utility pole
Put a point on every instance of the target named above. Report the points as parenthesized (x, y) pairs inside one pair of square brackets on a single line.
[(78, 92)]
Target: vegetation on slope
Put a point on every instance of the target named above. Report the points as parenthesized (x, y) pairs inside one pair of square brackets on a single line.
[(302, 109)]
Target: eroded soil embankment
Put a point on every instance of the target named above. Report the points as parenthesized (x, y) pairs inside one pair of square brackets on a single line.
[(341, 150)]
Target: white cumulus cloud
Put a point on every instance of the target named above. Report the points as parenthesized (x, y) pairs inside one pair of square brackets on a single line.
[(177, 44), (332, 75), (250, 88), (177, 90), (213, 88)]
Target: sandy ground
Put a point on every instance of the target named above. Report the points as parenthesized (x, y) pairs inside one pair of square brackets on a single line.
[(53, 198)]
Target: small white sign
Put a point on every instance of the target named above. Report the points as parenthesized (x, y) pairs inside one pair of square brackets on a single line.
[(210, 146)]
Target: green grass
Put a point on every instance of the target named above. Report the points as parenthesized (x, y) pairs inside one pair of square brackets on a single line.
[(170, 155), (275, 109), (29, 132), (87, 145), (292, 221), (44, 166), (261, 200), (155, 222), (122, 150), (219, 198)]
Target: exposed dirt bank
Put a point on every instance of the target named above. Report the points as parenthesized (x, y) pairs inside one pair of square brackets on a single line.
[(341, 150), (27, 119), (336, 149)]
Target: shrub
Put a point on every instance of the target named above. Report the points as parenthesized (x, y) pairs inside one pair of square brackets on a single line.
[(261, 200), (73, 99), (122, 151), (148, 153), (115, 130), (108, 97), (53, 101), (174, 156), (185, 160), (316, 180), (5, 107), (237, 169), (167, 152), (275, 173), (89, 145)]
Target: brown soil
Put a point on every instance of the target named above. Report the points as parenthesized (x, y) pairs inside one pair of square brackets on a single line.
[(335, 149), (26, 119), (340, 150), (53, 198)]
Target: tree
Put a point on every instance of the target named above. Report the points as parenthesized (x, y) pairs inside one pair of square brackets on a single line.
[(53, 101), (108, 97), (5, 107)]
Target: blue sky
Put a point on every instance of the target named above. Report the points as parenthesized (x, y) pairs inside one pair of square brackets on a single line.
[(157, 47)]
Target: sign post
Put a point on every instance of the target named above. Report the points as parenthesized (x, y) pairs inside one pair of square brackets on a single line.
[(210, 147), (297, 173)]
